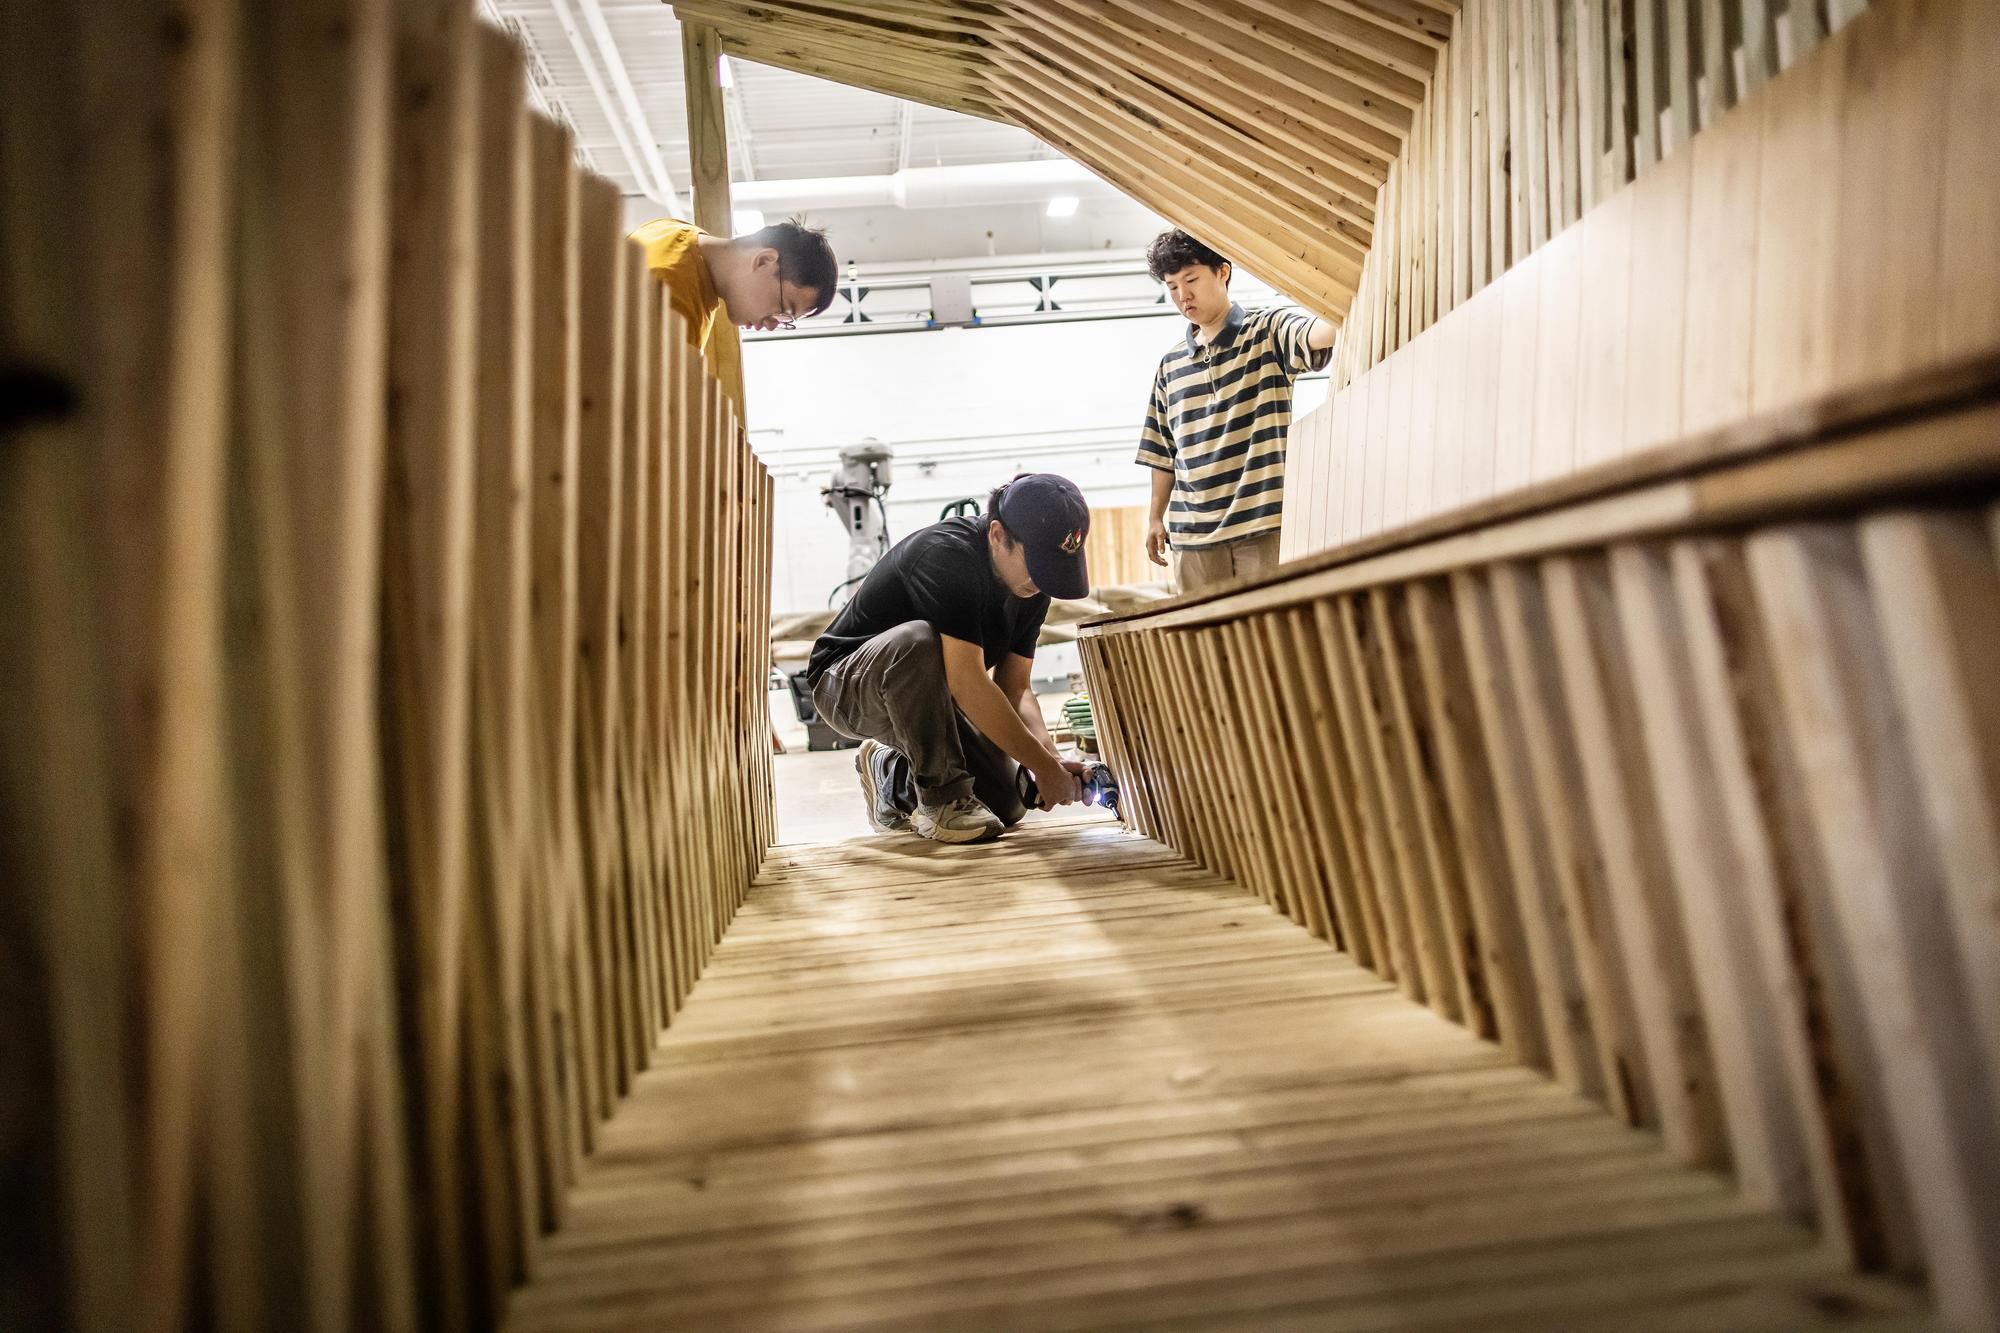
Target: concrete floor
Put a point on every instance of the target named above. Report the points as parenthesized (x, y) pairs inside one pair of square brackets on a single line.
[(819, 799)]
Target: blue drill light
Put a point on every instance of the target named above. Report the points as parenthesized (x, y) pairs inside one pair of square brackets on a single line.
[(1099, 787)]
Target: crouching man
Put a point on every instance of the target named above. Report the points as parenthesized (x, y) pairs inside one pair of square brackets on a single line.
[(928, 665)]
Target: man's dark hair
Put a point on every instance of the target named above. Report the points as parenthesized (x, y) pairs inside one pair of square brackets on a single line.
[(993, 507), (805, 256), (1172, 251)]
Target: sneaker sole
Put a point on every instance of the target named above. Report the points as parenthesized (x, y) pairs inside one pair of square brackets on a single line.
[(863, 767)]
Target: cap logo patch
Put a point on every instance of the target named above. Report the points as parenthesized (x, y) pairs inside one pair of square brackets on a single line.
[(1072, 542)]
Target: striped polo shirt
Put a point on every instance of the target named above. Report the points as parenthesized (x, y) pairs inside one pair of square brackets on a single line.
[(1218, 422)]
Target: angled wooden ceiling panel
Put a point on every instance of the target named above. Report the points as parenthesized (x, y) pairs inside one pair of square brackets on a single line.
[(1266, 127)]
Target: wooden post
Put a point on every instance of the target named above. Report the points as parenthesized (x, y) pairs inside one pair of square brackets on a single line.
[(708, 132)]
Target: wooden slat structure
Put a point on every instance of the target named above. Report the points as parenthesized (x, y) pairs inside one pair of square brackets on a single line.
[(1676, 779), (383, 752), (1077, 1081), (384, 740), (1780, 254), (1265, 126)]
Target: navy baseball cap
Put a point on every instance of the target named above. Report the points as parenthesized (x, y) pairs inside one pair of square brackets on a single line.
[(1047, 515)]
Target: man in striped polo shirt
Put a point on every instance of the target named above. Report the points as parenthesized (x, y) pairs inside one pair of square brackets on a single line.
[(1221, 408)]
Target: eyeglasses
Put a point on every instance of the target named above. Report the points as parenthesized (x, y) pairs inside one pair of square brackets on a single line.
[(785, 321)]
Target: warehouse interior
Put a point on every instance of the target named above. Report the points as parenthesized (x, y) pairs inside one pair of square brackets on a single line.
[(1562, 893)]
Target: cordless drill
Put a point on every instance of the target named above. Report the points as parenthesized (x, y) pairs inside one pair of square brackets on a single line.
[(1099, 787)]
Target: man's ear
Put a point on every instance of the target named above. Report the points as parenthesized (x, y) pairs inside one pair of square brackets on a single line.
[(1226, 271), (763, 257)]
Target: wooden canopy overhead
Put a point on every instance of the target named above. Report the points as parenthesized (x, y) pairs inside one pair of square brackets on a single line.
[(1265, 127)]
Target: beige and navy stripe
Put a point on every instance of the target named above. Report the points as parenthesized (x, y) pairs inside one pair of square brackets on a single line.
[(1218, 421)]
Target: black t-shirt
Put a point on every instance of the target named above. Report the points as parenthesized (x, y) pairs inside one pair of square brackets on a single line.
[(942, 575)]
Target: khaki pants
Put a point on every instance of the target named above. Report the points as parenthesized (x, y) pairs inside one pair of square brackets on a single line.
[(1202, 567)]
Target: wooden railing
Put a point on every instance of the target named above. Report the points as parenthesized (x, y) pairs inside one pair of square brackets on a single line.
[(1680, 780), (384, 744)]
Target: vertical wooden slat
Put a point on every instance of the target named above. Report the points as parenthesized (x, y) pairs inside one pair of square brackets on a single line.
[(1440, 898), (553, 606), (1888, 895), (600, 486), (1969, 222), (1333, 787), (1781, 878), (1936, 592), (1408, 905), (1606, 265), (1721, 274), (1889, 235), (427, 603), (1514, 411), (632, 645), (1625, 822), (502, 789), (1727, 891), (1301, 724), (1798, 211), (1566, 1017), (708, 134), (1386, 915), (1499, 979), (1574, 860), (1646, 92), (1656, 336), (1560, 301)]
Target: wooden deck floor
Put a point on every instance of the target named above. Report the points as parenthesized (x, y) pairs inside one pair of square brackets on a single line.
[(1070, 1081)]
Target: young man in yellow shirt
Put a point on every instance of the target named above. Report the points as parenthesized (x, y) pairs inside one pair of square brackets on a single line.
[(767, 279)]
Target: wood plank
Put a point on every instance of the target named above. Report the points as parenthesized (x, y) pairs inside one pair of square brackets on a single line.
[(311, 450), (1552, 449), (1797, 281), (1514, 407), (1577, 902), (1727, 888), (1889, 236), (1887, 896), (1173, 1169), (1566, 1018), (1936, 592), (1968, 228), (1499, 987), (553, 605), (1331, 788), (1605, 315), (1624, 808), (1409, 904), (1721, 274), (502, 782), (1656, 340), (1395, 960), (426, 565)]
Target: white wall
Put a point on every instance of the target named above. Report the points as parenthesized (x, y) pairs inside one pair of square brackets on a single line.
[(964, 409)]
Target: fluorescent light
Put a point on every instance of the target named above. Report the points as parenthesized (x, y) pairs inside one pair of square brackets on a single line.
[(746, 220), (723, 74), (1062, 206)]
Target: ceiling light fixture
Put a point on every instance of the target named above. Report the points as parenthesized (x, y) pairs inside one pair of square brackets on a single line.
[(1062, 206)]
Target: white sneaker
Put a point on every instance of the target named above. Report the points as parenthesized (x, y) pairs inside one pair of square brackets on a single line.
[(882, 817), (963, 820)]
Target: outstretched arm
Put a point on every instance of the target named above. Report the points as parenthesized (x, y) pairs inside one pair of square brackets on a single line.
[(999, 717)]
